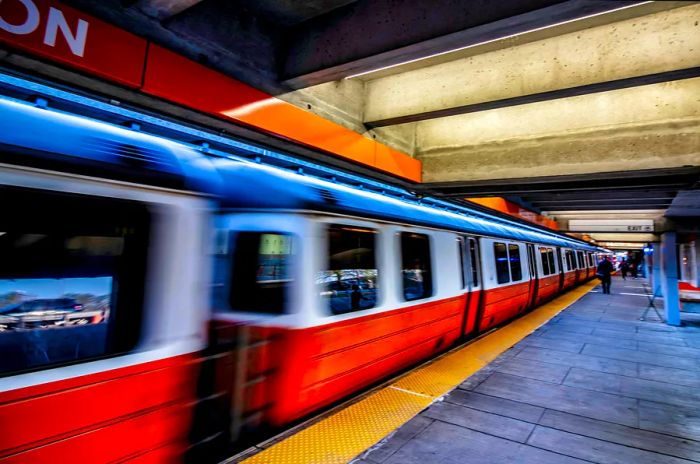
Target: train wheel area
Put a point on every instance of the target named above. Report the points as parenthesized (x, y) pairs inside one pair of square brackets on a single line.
[(394, 409)]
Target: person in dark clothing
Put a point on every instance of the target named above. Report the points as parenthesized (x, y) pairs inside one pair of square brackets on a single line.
[(604, 270), (624, 269), (355, 297)]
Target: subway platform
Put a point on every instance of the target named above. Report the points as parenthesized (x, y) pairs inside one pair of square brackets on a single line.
[(594, 384), (579, 379)]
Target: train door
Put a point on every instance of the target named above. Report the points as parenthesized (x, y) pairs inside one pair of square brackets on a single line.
[(534, 277), (472, 274), (582, 268), (560, 263)]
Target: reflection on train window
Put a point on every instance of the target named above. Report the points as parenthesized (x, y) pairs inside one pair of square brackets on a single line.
[(501, 255), (67, 260), (261, 273), (349, 282), (546, 269), (474, 262), (516, 271), (415, 266)]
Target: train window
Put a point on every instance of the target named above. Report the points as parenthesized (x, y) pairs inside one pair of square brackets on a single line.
[(570, 264), (462, 261), (474, 259), (516, 271), (581, 264), (546, 269), (261, 272), (415, 266), (550, 257), (500, 253), (591, 261), (71, 277), (349, 282)]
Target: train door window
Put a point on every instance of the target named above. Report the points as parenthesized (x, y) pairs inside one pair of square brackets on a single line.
[(349, 282), (462, 261), (544, 259), (516, 271), (550, 258), (581, 264), (415, 266), (591, 261), (71, 277), (474, 261), (500, 253), (261, 272), (564, 262)]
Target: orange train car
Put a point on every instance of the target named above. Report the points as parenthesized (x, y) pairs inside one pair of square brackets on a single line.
[(232, 295)]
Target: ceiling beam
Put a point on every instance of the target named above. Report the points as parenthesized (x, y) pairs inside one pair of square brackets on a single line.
[(618, 193), (320, 50), (598, 87), (612, 205), (163, 9), (670, 178), (619, 204)]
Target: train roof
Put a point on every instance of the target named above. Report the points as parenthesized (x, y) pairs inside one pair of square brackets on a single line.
[(50, 139), (252, 185), (86, 146)]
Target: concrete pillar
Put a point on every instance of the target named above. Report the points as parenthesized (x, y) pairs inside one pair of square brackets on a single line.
[(669, 278), (653, 263)]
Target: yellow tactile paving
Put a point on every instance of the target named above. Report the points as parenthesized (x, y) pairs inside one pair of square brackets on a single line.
[(347, 433), (340, 437)]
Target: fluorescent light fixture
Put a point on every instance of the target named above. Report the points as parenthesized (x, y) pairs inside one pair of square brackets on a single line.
[(496, 39)]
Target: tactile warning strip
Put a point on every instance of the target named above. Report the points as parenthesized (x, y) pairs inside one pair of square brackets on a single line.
[(347, 433)]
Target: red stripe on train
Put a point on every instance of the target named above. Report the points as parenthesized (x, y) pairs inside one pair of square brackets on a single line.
[(102, 416)]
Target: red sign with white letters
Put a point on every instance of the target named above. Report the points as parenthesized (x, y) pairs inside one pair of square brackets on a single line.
[(53, 30)]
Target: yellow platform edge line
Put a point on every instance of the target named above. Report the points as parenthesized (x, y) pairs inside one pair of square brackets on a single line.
[(339, 438)]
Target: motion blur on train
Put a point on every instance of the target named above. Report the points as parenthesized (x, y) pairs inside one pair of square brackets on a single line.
[(158, 303)]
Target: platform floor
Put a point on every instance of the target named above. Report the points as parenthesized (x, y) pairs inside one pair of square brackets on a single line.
[(595, 384)]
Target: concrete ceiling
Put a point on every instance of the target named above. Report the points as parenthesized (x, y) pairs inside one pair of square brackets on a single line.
[(495, 98)]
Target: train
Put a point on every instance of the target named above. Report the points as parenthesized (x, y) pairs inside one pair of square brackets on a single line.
[(222, 295)]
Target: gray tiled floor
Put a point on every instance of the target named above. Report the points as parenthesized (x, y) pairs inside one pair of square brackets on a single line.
[(595, 384)]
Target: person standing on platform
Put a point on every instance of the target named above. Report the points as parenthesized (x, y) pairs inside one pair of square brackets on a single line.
[(624, 269), (604, 270)]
